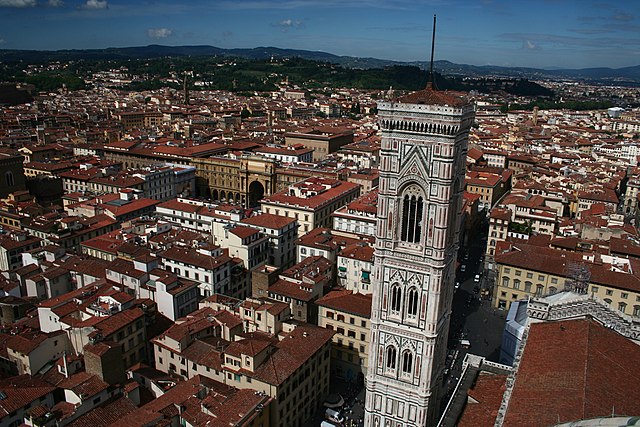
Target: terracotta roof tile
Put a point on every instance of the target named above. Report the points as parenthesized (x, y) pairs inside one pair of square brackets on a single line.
[(574, 370), (430, 96), (348, 302), (484, 401)]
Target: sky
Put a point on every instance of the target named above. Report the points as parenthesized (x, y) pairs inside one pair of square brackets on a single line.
[(525, 33)]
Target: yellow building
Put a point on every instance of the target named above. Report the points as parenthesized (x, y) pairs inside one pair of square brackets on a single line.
[(349, 315), (524, 270), (489, 186)]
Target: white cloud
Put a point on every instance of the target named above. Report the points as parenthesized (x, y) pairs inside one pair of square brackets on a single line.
[(95, 4), (159, 33), (287, 24), (18, 3), (2, 41), (55, 3)]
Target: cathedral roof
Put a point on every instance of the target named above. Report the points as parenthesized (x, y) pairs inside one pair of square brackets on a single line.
[(430, 96)]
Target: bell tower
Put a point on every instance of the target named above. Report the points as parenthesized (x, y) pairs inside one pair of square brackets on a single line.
[(423, 156)]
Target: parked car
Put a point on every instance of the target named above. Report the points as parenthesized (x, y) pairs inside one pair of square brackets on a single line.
[(477, 278), (463, 268), (333, 415)]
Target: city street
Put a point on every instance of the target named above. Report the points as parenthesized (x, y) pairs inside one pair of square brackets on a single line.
[(476, 327)]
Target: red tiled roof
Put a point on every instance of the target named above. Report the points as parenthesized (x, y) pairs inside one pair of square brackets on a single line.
[(206, 352), (243, 232), (20, 391), (348, 302), (268, 220), (359, 251), (27, 341), (484, 401), (291, 290), (105, 414), (292, 351), (337, 191), (115, 322), (192, 257), (84, 384), (624, 246), (176, 205), (430, 96), (249, 346), (574, 370)]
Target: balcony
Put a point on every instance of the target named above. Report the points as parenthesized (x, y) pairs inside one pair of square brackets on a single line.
[(366, 277)]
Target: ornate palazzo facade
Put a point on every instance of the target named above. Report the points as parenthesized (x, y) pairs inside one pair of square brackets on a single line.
[(423, 154)]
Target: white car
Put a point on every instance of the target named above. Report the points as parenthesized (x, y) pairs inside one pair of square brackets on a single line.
[(333, 415), (477, 278), (463, 267)]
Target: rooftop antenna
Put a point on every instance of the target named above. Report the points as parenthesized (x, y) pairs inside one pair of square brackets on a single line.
[(430, 83)]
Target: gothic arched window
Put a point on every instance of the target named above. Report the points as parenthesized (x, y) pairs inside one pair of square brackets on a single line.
[(8, 177), (407, 362), (396, 298), (412, 302), (391, 357), (412, 214)]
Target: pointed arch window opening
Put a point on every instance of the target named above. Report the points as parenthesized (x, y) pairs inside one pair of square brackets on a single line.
[(396, 299), (407, 362), (412, 302), (391, 358), (412, 211)]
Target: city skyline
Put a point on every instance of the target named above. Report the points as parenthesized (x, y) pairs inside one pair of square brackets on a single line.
[(547, 34)]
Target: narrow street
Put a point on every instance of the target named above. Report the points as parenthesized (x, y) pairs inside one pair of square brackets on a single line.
[(476, 327)]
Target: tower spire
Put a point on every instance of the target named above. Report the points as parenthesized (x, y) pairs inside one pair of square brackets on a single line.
[(430, 82)]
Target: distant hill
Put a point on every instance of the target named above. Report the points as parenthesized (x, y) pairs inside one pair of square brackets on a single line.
[(621, 75)]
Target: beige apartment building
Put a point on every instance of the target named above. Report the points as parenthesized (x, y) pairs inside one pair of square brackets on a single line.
[(349, 315), (524, 271), (489, 186)]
